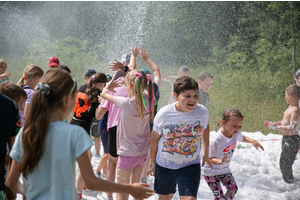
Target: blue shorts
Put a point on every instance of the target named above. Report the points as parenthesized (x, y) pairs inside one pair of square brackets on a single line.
[(187, 179), (103, 133)]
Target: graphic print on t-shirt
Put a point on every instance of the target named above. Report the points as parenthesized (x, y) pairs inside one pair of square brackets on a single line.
[(182, 139), (229, 150)]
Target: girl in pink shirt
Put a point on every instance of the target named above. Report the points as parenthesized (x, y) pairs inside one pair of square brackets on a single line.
[(133, 131)]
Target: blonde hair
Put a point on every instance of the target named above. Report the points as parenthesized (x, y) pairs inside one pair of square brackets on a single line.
[(31, 71), (139, 85)]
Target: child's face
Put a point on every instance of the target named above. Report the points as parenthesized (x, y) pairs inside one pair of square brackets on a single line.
[(288, 98), (187, 100), (2, 69), (206, 84), (232, 126), (20, 103)]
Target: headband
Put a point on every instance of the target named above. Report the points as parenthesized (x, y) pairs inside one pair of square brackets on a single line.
[(74, 83)]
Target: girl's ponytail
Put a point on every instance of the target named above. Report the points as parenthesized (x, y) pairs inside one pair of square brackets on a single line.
[(91, 90), (31, 71)]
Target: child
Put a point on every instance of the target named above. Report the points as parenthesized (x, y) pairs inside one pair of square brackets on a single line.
[(183, 71), (289, 126), (133, 133), (46, 151), (53, 63), (18, 95), (175, 142), (3, 76), (205, 80), (9, 113), (222, 147), (31, 77), (112, 122)]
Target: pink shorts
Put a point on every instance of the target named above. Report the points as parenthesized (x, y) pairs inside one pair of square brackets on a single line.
[(130, 162)]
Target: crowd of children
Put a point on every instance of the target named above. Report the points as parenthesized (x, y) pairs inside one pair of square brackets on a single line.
[(138, 139)]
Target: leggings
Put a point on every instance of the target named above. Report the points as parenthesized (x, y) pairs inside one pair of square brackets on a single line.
[(227, 180)]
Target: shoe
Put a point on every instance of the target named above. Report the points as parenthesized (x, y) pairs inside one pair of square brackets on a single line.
[(144, 180), (97, 174), (103, 176), (79, 194)]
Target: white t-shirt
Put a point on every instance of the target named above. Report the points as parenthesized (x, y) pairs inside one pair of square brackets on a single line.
[(219, 145), (179, 145), (55, 175), (133, 133)]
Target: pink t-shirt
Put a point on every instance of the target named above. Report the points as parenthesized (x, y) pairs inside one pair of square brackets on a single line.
[(114, 113), (133, 132)]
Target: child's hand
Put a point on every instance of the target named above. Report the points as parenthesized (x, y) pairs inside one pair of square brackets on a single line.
[(152, 169), (114, 66), (99, 99), (113, 85), (205, 159), (135, 51), (4, 75), (224, 159), (144, 54), (267, 124), (256, 145), (141, 191)]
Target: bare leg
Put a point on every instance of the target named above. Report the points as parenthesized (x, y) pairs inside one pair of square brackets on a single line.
[(165, 197), (136, 175), (102, 163), (97, 141), (146, 166), (187, 198), (123, 176), (111, 171)]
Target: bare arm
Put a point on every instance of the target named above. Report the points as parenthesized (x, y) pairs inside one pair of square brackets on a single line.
[(134, 54), (217, 161), (170, 79), (253, 142), (205, 145), (4, 75), (153, 66), (12, 180), (153, 150), (137, 190), (100, 112), (105, 94)]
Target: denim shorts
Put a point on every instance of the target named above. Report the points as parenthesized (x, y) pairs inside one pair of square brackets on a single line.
[(130, 162), (103, 133), (187, 179)]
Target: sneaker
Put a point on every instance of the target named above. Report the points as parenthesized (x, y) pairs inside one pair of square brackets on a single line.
[(97, 174), (103, 176), (144, 180), (79, 194)]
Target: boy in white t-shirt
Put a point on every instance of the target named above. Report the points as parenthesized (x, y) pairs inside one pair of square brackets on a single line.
[(175, 142)]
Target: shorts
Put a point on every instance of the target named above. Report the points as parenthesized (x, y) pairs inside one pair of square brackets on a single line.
[(112, 141), (84, 124), (130, 162), (104, 139), (187, 179), (94, 128)]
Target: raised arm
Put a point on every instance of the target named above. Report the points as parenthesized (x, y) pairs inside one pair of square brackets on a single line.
[(134, 54), (153, 66)]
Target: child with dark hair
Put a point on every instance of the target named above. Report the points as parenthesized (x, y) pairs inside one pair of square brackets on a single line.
[(175, 142), (45, 152), (205, 80), (66, 68), (289, 127), (222, 146)]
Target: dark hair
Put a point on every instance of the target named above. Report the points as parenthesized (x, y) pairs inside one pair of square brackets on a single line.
[(293, 90), (184, 83), (230, 112), (38, 116), (184, 69), (203, 75), (12, 91), (65, 67), (91, 90)]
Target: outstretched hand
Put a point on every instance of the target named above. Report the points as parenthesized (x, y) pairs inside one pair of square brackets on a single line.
[(144, 54), (116, 65), (4, 75), (113, 84), (257, 145), (267, 124), (141, 191), (135, 51)]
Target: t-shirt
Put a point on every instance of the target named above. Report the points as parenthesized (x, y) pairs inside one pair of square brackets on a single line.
[(133, 133), (29, 93), (114, 113), (81, 110), (179, 145), (203, 98), (8, 117), (219, 145), (54, 177), (3, 80)]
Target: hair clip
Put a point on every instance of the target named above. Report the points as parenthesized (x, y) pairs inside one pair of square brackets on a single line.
[(138, 74), (148, 77), (24, 77), (93, 77), (44, 88)]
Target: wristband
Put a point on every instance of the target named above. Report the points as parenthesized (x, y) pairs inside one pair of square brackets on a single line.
[(125, 68)]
